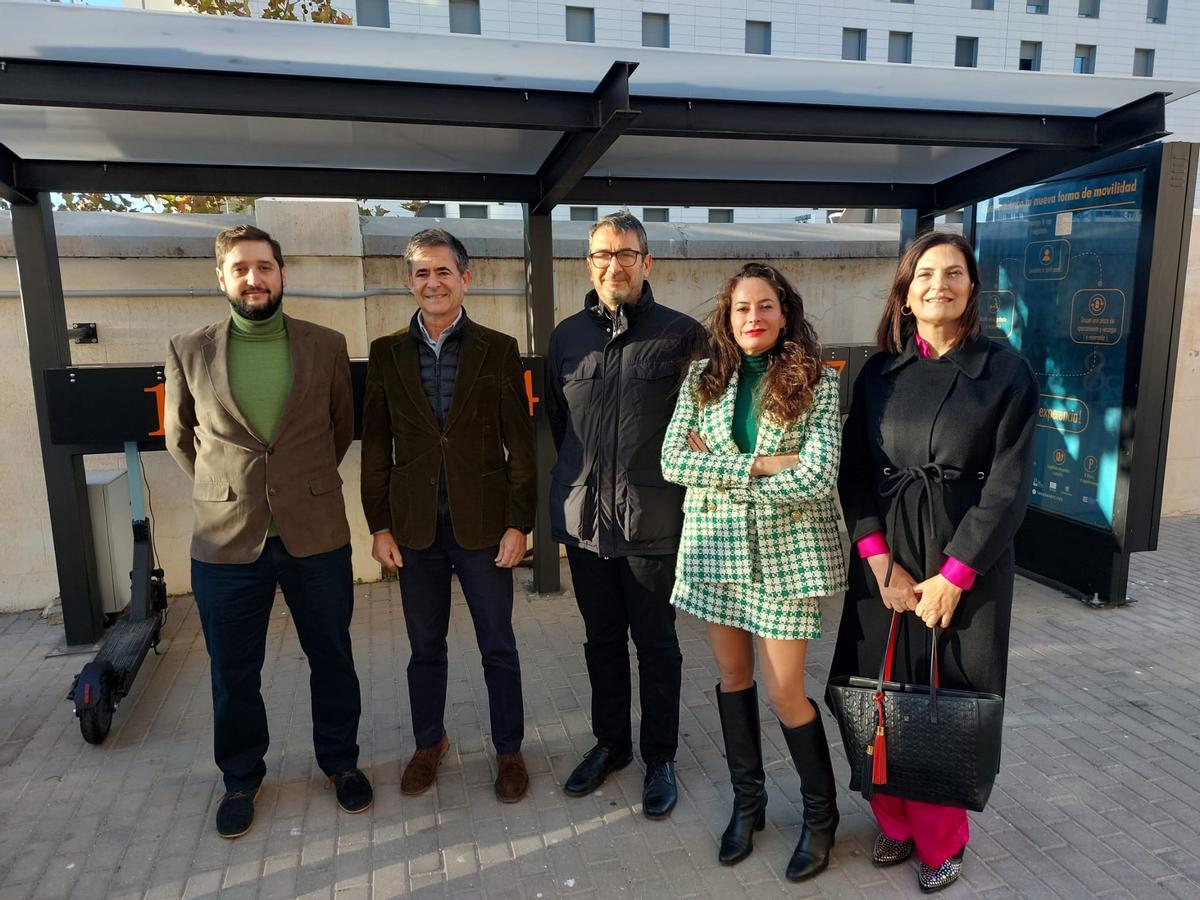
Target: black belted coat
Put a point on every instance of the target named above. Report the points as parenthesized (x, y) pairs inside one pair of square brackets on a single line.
[(937, 454)]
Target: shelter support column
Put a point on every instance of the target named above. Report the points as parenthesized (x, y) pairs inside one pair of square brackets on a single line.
[(44, 313), (914, 222), (539, 314), (969, 214)]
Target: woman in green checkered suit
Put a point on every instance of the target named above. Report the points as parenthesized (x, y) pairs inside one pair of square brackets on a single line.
[(756, 438)]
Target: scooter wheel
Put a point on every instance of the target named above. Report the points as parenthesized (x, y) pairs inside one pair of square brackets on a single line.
[(95, 721)]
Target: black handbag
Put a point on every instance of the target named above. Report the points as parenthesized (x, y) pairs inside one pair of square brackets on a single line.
[(918, 741)]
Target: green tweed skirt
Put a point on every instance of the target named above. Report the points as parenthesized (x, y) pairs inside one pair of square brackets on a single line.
[(747, 606)]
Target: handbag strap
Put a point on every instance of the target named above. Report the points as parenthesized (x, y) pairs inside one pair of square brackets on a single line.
[(889, 655)]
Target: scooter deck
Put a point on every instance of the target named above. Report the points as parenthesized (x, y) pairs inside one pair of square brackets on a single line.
[(126, 646)]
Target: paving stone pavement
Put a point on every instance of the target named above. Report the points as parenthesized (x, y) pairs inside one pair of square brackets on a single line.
[(1099, 794)]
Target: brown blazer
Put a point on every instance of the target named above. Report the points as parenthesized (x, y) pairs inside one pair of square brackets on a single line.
[(487, 446), (239, 481)]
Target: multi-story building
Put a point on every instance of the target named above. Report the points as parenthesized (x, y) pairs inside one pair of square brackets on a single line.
[(1134, 38)]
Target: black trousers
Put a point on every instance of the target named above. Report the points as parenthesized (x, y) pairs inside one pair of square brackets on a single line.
[(425, 592), (234, 602), (621, 597)]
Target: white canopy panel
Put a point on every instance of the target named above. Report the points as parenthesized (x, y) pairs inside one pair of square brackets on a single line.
[(152, 137), (636, 156)]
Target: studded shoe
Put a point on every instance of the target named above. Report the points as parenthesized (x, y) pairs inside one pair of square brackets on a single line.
[(889, 851), (934, 878)]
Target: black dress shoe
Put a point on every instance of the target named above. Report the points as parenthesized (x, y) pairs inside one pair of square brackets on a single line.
[(235, 813), (354, 793), (596, 765), (659, 792)]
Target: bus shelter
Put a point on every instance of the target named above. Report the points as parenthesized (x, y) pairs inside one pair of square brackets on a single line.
[(124, 101)]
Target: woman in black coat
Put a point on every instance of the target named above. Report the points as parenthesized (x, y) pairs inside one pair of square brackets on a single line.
[(936, 469)]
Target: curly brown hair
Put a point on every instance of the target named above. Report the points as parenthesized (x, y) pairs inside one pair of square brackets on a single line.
[(795, 365)]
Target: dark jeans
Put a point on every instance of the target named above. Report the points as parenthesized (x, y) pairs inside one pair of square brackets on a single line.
[(425, 592), (234, 602), (619, 597)]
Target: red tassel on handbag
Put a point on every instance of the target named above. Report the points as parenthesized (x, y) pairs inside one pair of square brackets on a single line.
[(878, 749)]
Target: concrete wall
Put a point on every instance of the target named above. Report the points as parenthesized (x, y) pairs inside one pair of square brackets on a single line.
[(1181, 489), (842, 271)]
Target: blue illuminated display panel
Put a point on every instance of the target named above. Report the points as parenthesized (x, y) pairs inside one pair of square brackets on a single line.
[(1057, 265)]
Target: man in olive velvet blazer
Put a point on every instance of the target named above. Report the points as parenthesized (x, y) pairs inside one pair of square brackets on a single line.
[(448, 485)]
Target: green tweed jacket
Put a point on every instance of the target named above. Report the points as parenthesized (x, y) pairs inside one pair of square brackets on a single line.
[(780, 530)]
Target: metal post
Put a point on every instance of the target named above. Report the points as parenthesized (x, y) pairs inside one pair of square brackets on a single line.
[(913, 222), (969, 214), (539, 312), (66, 488)]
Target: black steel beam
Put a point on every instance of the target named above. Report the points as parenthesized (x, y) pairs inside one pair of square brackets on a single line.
[(8, 177), (66, 487), (93, 86), (98, 86), (577, 152), (728, 192), (160, 178), (539, 310), (733, 119), (1127, 126)]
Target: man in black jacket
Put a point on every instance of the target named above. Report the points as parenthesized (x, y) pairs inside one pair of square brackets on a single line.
[(612, 375)]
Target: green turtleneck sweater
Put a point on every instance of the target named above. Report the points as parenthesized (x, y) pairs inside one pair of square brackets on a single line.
[(260, 370), (746, 406), (260, 373)]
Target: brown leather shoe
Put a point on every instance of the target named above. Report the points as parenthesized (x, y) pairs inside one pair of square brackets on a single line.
[(513, 780), (422, 768)]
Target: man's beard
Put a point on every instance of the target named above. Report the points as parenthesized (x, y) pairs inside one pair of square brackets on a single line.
[(255, 313)]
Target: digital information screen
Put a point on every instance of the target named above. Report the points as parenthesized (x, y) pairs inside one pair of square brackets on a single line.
[(1057, 265)]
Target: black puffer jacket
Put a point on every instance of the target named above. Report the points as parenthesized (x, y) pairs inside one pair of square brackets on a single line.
[(610, 390)]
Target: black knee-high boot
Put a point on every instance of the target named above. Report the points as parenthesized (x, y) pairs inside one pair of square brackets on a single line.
[(743, 752), (810, 753)]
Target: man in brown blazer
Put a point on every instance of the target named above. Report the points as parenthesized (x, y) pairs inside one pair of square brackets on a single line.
[(448, 485), (259, 412)]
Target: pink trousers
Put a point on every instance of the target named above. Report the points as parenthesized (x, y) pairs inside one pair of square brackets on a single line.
[(938, 831)]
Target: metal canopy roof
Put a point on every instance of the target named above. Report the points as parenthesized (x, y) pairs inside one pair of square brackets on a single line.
[(118, 100)]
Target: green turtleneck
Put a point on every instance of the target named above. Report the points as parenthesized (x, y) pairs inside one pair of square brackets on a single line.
[(746, 405), (260, 370), (260, 373)]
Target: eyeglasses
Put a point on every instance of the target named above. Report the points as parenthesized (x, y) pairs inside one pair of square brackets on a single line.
[(601, 258)]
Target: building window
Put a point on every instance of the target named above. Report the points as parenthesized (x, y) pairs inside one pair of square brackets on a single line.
[(1038, 7), (432, 211), (464, 17), (656, 30), (1085, 59), (584, 214), (720, 216), (472, 211), (854, 43), (1031, 56), (1156, 12), (1143, 63), (966, 52), (1089, 9), (758, 37), (581, 24), (656, 214), (372, 13), (983, 4), (900, 46)]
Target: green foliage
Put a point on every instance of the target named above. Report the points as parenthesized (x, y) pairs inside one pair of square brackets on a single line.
[(289, 10), (158, 203)]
